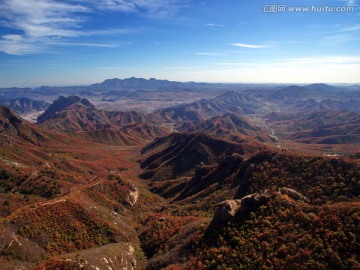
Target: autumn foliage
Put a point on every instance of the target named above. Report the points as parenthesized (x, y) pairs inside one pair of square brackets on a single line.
[(284, 235)]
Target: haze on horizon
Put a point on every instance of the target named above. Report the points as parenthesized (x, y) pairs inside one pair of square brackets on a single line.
[(80, 42)]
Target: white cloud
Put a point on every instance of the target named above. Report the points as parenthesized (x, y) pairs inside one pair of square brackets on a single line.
[(18, 45), (214, 25), (123, 6), (350, 2), (110, 68), (38, 18), (153, 8), (355, 27), (41, 21), (38, 21), (250, 46), (329, 60), (297, 62), (46, 23), (207, 53), (331, 69), (342, 38), (180, 68), (83, 44)]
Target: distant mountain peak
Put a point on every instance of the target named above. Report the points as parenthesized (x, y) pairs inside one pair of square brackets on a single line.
[(234, 95), (67, 101), (322, 87), (24, 105), (62, 103), (319, 85), (134, 83), (294, 88)]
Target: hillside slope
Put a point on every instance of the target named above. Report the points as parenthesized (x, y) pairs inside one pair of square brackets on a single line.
[(229, 127), (269, 209), (229, 102), (78, 116), (66, 202)]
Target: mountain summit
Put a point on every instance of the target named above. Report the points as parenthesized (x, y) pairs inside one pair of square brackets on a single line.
[(134, 83), (62, 103)]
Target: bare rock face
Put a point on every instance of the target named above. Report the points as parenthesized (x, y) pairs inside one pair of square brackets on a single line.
[(252, 202), (226, 210), (293, 194), (229, 209), (133, 196)]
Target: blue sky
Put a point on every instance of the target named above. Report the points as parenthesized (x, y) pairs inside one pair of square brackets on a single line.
[(77, 42)]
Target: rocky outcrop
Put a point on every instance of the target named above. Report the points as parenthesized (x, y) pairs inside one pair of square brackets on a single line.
[(133, 196), (252, 202), (226, 210), (229, 209), (293, 194)]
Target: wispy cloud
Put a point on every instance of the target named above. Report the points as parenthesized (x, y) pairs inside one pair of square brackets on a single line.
[(250, 46), (42, 24), (355, 27), (18, 45), (300, 61), (82, 44), (38, 21), (327, 60), (153, 8), (341, 38), (214, 25), (291, 70), (38, 18), (109, 68), (350, 2), (180, 68), (207, 53)]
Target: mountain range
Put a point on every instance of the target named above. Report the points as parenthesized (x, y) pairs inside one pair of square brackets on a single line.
[(76, 115), (154, 174), (24, 105), (229, 102)]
